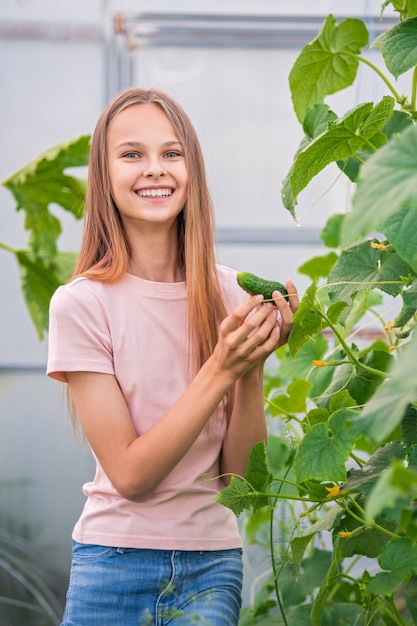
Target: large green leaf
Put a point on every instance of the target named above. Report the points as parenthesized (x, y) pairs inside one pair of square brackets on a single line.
[(365, 541), (396, 484), (315, 122), (339, 382), (236, 496), (387, 183), (258, 477), (409, 426), (321, 599), (364, 383), (258, 473), (43, 182), (296, 588), (384, 411), (396, 124), (324, 450), (327, 64), (318, 266), (40, 277), (313, 350), (341, 140), (325, 522), (399, 559), (363, 267), (398, 46), (405, 9), (401, 231), (364, 479), (293, 402), (330, 235), (307, 321)]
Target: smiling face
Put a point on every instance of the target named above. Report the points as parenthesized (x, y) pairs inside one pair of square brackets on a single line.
[(147, 167)]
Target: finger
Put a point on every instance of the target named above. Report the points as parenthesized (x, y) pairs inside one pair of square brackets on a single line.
[(294, 300), (255, 328), (261, 325), (283, 307), (235, 319), (271, 342)]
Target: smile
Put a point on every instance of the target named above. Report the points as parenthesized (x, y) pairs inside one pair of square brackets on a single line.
[(154, 193)]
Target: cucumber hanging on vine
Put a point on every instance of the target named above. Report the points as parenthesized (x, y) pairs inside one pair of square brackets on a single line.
[(404, 316)]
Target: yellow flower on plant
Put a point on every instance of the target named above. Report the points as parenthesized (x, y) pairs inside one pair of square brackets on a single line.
[(344, 534), (334, 492), (389, 325), (378, 246), (319, 363)]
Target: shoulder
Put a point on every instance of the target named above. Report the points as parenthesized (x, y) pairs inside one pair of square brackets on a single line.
[(77, 288), (226, 275), (79, 298), (80, 290), (233, 293)]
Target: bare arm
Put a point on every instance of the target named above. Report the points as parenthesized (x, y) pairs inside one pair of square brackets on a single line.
[(135, 465)]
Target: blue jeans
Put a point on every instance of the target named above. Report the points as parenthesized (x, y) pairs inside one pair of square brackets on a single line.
[(132, 587)]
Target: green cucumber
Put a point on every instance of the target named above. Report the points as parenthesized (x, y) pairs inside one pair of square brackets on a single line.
[(254, 285), (404, 316)]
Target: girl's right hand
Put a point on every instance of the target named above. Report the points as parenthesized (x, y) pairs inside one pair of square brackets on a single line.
[(247, 337)]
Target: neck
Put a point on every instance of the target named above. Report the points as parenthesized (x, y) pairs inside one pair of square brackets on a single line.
[(155, 258)]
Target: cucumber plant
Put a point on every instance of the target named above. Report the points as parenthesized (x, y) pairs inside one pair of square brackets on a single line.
[(332, 497), (37, 187)]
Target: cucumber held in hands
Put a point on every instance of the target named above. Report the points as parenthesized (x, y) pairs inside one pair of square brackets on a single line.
[(254, 285)]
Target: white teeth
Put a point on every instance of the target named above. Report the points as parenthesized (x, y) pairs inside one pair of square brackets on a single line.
[(154, 193)]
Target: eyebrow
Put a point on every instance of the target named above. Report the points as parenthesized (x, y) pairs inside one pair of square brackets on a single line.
[(138, 144)]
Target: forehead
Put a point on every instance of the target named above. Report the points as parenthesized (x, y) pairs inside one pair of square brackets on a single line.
[(140, 122)]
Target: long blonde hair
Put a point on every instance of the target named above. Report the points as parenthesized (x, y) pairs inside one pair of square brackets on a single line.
[(105, 251)]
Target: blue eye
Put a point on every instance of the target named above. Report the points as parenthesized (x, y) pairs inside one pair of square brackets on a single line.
[(131, 155), (172, 154)]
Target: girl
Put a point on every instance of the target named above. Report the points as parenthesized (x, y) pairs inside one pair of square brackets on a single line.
[(163, 354)]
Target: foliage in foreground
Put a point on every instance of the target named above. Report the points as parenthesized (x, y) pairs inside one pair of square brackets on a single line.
[(332, 497), (39, 188)]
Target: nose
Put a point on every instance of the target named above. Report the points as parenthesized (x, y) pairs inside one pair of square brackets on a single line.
[(154, 168)]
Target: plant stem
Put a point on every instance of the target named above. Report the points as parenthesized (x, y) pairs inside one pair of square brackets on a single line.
[(272, 552), (347, 577), (365, 522), (357, 460), (396, 95), (4, 246), (344, 575), (289, 482), (347, 350), (282, 411), (278, 496), (367, 143), (394, 616), (414, 88)]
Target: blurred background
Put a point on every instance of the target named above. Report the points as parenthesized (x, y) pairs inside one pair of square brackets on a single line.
[(227, 62)]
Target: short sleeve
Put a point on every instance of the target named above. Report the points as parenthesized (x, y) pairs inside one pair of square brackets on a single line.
[(232, 292), (79, 338)]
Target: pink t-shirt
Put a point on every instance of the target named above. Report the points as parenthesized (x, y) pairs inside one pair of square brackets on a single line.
[(136, 330)]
